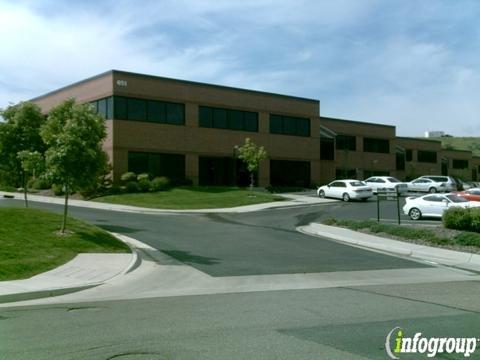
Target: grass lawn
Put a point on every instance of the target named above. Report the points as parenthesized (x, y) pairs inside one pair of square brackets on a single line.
[(436, 236), (29, 243), (192, 197)]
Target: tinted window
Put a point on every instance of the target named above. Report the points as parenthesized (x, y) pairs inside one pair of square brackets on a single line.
[(459, 164), (156, 112), (137, 109), (289, 125), (456, 199), (235, 120), (376, 145), (205, 116), (393, 180), (120, 107), (356, 183), (220, 118), (408, 155), (251, 121), (327, 149), (228, 119), (175, 114), (346, 142), (276, 124), (426, 156), (434, 198)]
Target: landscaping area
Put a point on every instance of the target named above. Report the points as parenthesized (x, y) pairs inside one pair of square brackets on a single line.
[(192, 197), (30, 242), (438, 236)]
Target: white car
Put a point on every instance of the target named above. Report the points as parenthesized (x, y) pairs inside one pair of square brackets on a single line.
[(426, 185), (386, 183), (433, 205), (346, 190)]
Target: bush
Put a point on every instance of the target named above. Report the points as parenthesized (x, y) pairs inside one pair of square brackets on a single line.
[(128, 177), (159, 184), (144, 185), (457, 218), (40, 184), (114, 190), (58, 190), (132, 187), (475, 219), (468, 239), (143, 176)]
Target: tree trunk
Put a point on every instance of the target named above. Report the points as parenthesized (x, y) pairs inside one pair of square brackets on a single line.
[(65, 209), (251, 181), (25, 189)]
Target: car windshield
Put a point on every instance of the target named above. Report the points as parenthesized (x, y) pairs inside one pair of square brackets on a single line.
[(393, 180), (357, 183), (456, 198)]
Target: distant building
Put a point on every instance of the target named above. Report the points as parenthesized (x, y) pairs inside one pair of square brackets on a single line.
[(433, 134)]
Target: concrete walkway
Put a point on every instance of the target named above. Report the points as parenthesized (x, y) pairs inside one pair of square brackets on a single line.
[(293, 200), (430, 254)]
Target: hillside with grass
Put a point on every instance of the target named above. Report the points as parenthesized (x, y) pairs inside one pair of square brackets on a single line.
[(461, 143)]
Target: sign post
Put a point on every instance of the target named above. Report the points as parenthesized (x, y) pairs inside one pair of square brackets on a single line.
[(384, 195)]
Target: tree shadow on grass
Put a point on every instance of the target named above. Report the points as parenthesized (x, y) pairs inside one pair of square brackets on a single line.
[(210, 189), (187, 257)]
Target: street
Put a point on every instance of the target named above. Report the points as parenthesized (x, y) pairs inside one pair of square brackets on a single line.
[(344, 318)]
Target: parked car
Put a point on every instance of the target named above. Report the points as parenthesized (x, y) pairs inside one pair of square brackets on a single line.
[(386, 183), (432, 205), (451, 184), (424, 184), (346, 190), (470, 194)]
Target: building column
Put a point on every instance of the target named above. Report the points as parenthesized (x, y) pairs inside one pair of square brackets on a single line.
[(191, 167)]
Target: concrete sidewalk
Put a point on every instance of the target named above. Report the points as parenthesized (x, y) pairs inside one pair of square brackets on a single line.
[(431, 254), (293, 200), (83, 272)]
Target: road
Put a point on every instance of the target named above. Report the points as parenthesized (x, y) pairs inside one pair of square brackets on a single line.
[(341, 319)]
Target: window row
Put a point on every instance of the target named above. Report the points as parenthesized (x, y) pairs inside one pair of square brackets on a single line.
[(156, 164), (149, 110), (459, 164), (104, 107), (210, 117), (289, 125), (376, 145), (427, 156), (346, 142)]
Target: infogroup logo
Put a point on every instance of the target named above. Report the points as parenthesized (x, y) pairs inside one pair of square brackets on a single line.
[(397, 343)]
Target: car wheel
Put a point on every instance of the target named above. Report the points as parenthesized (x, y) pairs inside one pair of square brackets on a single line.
[(432, 190), (415, 214), (321, 194), (345, 197)]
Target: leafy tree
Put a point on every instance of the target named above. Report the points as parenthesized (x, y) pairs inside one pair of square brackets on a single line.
[(32, 164), (19, 132), (74, 159), (251, 154)]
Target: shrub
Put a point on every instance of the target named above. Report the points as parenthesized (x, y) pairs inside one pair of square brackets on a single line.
[(114, 190), (143, 176), (58, 190), (144, 185), (468, 239), (159, 184), (475, 219), (41, 184), (132, 187), (457, 218), (128, 177)]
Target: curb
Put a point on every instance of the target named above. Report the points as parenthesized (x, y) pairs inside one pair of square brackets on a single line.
[(431, 254), (135, 262)]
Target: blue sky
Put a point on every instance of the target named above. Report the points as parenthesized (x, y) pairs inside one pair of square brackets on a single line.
[(413, 64)]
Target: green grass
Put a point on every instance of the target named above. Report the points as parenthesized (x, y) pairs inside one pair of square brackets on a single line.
[(464, 238), (192, 197), (30, 244), (461, 143)]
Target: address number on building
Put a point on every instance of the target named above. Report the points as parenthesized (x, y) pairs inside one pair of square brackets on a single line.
[(122, 83)]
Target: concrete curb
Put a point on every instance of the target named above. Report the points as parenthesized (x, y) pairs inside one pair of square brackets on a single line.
[(293, 201), (57, 291), (431, 254)]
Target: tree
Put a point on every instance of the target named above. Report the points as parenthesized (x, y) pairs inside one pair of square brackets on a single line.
[(74, 158), (19, 132), (251, 154), (32, 164)]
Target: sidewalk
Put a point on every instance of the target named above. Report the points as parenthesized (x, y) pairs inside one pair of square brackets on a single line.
[(294, 200), (431, 254), (83, 272)]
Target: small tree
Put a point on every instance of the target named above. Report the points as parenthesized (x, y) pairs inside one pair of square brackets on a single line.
[(19, 132), (251, 154), (74, 159), (32, 164)]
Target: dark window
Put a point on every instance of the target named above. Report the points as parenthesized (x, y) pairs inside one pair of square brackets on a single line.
[(103, 107), (120, 107), (346, 142), (235, 120), (227, 119), (289, 125), (137, 109), (400, 161), (156, 111), (276, 124), (426, 156), (205, 116), (289, 173), (376, 145), (175, 114), (345, 173), (327, 149), (94, 106), (169, 165), (110, 107), (459, 164), (408, 155)]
